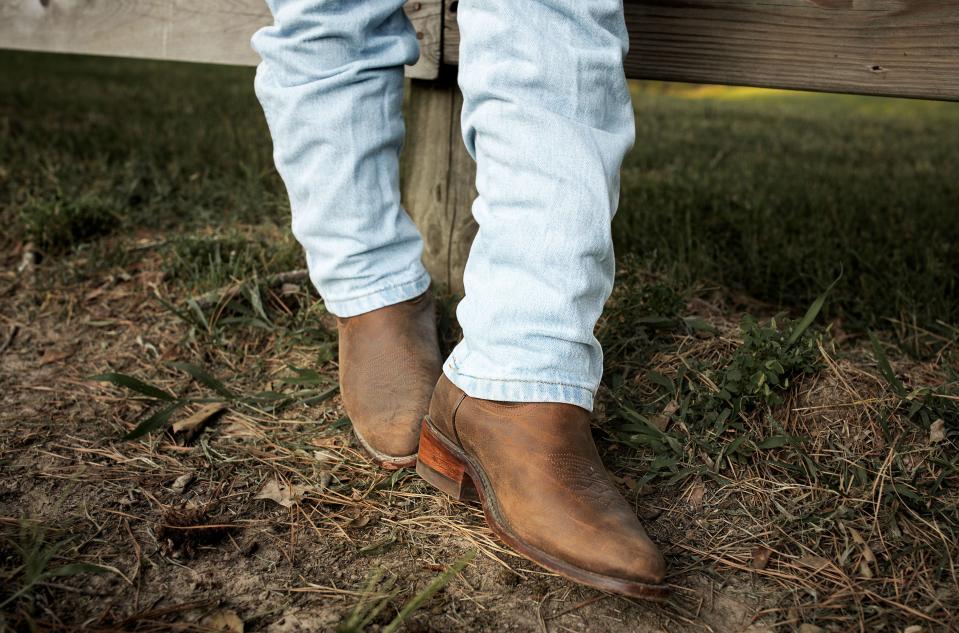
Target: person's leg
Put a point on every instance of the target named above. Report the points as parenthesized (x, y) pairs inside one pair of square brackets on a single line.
[(331, 86), (548, 118)]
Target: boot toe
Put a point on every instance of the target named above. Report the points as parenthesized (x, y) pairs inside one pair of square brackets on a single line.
[(395, 436), (624, 558), (645, 564)]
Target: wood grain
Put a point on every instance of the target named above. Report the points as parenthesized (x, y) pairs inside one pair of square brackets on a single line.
[(907, 48), (215, 31), (890, 47), (439, 178)]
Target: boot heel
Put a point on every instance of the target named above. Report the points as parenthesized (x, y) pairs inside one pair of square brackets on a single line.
[(439, 467)]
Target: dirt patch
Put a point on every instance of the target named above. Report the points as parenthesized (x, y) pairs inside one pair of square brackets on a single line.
[(276, 518)]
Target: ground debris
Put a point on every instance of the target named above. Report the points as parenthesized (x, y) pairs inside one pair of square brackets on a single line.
[(286, 495), (184, 529), (225, 620)]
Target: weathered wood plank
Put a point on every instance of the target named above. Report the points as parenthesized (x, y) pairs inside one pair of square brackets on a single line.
[(215, 31), (906, 48), (439, 178), (892, 47)]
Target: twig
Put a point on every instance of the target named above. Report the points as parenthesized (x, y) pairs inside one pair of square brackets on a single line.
[(12, 335)]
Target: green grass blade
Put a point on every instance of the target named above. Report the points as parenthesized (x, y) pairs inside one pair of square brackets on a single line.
[(158, 420), (885, 368), (133, 384), (368, 607), (438, 583), (811, 314), (205, 378), (304, 376)]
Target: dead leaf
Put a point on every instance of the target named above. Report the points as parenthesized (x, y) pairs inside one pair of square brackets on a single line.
[(289, 289), (324, 456), (180, 483), (810, 628), (223, 621), (283, 494), (937, 431), (238, 429), (650, 514), (867, 552), (661, 421), (53, 356), (761, 556), (813, 562), (696, 495), (95, 293), (913, 628), (645, 490), (360, 521), (150, 277), (193, 423)]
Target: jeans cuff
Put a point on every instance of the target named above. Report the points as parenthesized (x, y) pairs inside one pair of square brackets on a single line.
[(518, 389), (376, 299)]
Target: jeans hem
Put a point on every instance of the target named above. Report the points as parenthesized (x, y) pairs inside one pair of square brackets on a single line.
[(380, 298), (518, 389)]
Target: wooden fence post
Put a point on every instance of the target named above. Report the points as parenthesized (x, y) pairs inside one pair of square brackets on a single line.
[(439, 177)]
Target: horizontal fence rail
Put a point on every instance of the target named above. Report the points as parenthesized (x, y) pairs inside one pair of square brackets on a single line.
[(214, 31), (904, 48)]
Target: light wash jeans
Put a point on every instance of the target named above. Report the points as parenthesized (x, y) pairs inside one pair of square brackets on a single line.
[(547, 117)]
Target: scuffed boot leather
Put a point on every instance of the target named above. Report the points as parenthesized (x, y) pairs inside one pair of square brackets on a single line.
[(543, 488), (389, 362)]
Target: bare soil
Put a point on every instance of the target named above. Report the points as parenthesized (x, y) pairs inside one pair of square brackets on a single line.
[(190, 539)]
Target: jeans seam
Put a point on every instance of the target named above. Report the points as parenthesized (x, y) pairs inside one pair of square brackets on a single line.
[(525, 380), (379, 291)]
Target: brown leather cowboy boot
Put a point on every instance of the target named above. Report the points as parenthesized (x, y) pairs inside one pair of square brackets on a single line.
[(389, 361), (543, 488)]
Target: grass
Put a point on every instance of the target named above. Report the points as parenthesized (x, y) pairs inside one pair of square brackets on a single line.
[(815, 452), (768, 194), (34, 555), (775, 195), (802, 467), (205, 262), (129, 146)]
